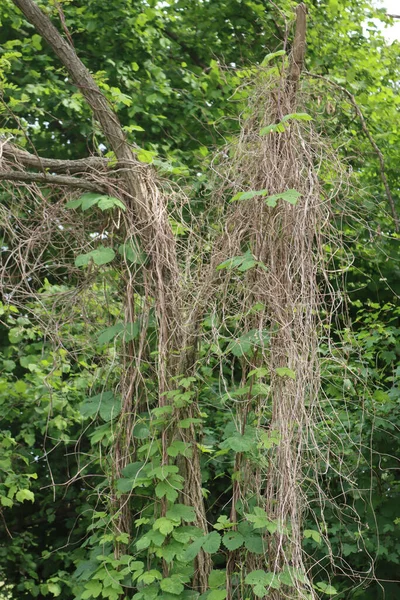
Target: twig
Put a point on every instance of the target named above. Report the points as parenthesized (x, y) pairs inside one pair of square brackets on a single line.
[(72, 182), (374, 145)]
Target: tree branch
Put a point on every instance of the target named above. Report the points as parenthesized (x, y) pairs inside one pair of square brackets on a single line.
[(81, 76), (298, 50), (66, 180), (22, 157), (371, 140), (393, 16)]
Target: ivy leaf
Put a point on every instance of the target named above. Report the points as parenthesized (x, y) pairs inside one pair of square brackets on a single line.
[(233, 540), (290, 196), (212, 542), (181, 512)]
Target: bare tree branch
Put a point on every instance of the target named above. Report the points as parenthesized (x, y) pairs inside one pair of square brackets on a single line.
[(22, 157), (298, 50), (84, 81), (393, 16), (374, 145), (66, 180)]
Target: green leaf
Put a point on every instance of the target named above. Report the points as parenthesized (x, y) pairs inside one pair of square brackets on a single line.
[(166, 489), (105, 403), (131, 471), (172, 585), (25, 494), (130, 332), (146, 156), (141, 431), (233, 540), (132, 252), (217, 578), (285, 372), (164, 525), (74, 203), (107, 202), (179, 447), (239, 443), (248, 195), (88, 200), (54, 589), (100, 256), (260, 520), (290, 196), (262, 579), (181, 512), (217, 595), (212, 542), (150, 576), (93, 588), (193, 550), (243, 263), (327, 589), (314, 535)]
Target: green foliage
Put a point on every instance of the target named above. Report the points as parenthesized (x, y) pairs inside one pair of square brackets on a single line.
[(157, 65)]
